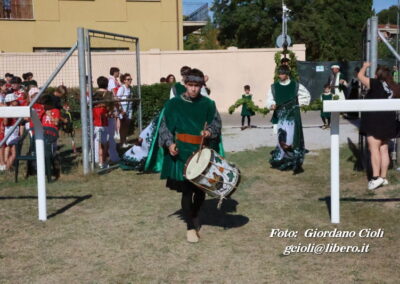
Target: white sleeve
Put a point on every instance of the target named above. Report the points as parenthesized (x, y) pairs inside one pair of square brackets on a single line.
[(171, 93), (303, 96), (203, 92), (270, 98), (111, 85), (120, 92)]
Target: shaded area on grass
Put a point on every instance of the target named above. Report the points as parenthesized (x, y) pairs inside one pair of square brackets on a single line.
[(212, 216), (68, 159), (327, 200), (78, 199)]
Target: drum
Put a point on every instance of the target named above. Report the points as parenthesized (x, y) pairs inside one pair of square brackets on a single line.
[(212, 173)]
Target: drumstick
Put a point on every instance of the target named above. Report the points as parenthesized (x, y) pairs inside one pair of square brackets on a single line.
[(202, 142)]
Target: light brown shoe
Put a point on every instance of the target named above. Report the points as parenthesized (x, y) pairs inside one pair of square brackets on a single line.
[(197, 226), (191, 236)]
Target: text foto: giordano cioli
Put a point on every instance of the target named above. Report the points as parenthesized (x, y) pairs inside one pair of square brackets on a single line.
[(335, 233)]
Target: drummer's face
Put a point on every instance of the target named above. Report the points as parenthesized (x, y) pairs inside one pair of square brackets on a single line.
[(192, 89), (283, 77)]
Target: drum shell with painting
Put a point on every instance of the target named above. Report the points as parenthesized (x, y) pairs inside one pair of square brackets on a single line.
[(212, 173)]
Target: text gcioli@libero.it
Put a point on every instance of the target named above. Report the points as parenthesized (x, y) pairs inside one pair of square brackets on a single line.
[(322, 248)]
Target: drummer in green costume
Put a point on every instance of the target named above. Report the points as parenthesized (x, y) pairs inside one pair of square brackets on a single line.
[(285, 97), (246, 111), (180, 134)]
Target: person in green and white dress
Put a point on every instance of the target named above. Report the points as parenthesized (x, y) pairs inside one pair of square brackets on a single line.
[(246, 111), (285, 98), (326, 116), (338, 82)]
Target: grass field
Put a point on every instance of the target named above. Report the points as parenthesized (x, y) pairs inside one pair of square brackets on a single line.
[(125, 227)]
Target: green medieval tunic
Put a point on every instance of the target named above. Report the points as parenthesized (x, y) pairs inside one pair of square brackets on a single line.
[(155, 157), (245, 109), (289, 152), (326, 97), (183, 115)]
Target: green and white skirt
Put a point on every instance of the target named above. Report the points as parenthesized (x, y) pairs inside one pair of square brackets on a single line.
[(289, 152)]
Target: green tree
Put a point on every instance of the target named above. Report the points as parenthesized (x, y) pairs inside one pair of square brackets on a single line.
[(331, 30), (388, 16), (206, 39), (384, 52)]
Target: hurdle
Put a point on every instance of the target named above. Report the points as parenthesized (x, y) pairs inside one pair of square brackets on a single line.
[(336, 107), (21, 112)]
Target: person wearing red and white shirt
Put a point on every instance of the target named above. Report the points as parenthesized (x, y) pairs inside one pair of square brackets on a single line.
[(50, 119), (113, 83), (39, 109), (12, 140), (101, 137), (102, 83), (18, 91), (21, 96), (113, 86), (3, 90)]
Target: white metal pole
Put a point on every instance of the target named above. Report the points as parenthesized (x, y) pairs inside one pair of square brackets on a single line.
[(389, 46), (90, 100), (335, 172), (139, 86), (374, 45), (84, 112), (41, 168), (368, 49)]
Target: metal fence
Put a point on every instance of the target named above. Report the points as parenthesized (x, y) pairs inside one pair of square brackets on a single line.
[(314, 75)]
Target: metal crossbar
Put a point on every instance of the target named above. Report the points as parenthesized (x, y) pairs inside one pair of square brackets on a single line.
[(40, 155), (112, 36)]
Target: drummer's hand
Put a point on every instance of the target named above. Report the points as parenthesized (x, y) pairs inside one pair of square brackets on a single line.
[(206, 133), (173, 151)]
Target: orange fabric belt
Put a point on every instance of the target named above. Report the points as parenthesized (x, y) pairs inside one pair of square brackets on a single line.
[(188, 138)]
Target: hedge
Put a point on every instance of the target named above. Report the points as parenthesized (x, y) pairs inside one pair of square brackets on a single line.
[(153, 99)]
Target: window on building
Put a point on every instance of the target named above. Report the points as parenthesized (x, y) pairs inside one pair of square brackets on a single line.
[(16, 9)]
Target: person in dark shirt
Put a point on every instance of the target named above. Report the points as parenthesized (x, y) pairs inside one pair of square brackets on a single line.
[(59, 94), (379, 126), (28, 80)]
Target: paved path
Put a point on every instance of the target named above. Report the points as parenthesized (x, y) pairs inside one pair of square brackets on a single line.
[(315, 138)]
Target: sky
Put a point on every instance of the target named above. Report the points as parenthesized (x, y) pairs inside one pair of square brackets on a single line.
[(383, 4), (191, 5)]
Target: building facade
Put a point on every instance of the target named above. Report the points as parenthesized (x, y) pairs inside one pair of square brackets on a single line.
[(51, 25)]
